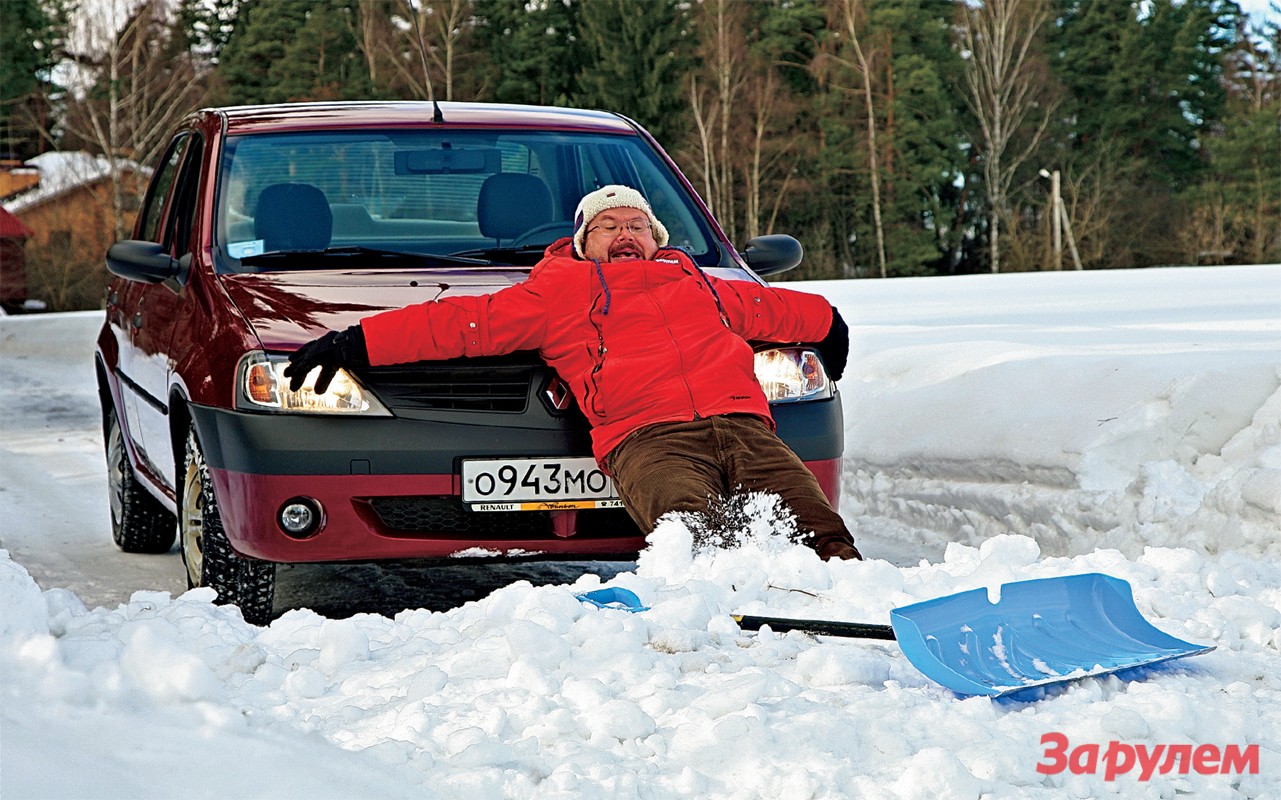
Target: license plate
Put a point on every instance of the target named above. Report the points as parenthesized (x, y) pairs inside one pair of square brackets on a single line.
[(537, 484)]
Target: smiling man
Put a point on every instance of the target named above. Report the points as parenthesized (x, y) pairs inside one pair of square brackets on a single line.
[(655, 351)]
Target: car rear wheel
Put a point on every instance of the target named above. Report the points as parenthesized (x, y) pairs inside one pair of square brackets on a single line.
[(139, 523), (206, 553)]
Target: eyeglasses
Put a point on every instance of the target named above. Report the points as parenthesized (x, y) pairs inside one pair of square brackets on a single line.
[(634, 226)]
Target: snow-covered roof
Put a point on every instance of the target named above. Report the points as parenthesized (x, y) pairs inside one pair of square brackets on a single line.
[(61, 172)]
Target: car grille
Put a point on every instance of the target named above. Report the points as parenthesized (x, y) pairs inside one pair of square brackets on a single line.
[(481, 387), (445, 514)]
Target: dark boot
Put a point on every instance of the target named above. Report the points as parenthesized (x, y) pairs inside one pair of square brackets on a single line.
[(842, 551)]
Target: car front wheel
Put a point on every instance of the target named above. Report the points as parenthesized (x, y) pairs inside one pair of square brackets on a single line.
[(139, 523), (206, 553)]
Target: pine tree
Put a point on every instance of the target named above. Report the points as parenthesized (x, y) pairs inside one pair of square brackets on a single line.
[(321, 61), (794, 198), (532, 51), (914, 139), (207, 25), (925, 131), (634, 60), (31, 34), (1144, 90), (1235, 212), (259, 41)]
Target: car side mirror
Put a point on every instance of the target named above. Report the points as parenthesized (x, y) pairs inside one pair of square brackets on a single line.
[(146, 262), (770, 255)]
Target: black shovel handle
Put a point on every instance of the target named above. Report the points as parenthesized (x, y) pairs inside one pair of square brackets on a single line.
[(860, 630)]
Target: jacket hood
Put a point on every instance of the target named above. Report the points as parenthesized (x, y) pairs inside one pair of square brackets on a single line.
[(561, 248)]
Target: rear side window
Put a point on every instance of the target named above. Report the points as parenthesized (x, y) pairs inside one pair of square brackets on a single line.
[(435, 192)]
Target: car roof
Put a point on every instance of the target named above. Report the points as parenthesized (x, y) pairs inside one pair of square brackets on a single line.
[(384, 114)]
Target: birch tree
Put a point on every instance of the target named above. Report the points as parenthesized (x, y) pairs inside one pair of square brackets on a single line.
[(713, 100), (1003, 94), (851, 19), (431, 32), (131, 82)]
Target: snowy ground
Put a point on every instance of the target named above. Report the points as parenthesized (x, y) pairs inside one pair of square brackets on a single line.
[(998, 428)]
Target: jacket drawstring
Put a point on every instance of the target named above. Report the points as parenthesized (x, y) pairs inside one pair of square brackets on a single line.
[(600, 275), (715, 295)]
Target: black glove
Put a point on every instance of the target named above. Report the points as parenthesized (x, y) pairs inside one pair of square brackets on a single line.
[(835, 347), (330, 352)]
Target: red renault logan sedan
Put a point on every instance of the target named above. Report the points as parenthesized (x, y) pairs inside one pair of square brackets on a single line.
[(266, 226)]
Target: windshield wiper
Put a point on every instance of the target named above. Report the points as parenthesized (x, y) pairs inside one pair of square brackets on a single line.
[(381, 256), (491, 253)]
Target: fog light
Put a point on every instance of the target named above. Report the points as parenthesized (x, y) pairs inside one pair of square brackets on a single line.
[(300, 517)]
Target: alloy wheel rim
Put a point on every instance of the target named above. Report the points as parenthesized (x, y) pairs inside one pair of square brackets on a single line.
[(115, 473), (193, 516)]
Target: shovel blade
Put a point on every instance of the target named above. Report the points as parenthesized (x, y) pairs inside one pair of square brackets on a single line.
[(1040, 632)]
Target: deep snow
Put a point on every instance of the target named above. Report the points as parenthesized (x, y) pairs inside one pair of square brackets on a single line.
[(998, 428)]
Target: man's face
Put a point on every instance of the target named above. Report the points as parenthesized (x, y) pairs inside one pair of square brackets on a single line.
[(620, 234)]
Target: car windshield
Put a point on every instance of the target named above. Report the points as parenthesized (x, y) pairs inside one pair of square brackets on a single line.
[(493, 197)]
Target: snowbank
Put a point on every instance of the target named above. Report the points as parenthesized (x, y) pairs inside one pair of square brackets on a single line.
[(1118, 409)]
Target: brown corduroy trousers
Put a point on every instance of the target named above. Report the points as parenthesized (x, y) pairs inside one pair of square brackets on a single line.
[(684, 466)]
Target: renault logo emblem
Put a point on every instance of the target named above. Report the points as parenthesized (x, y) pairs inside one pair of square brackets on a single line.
[(558, 395)]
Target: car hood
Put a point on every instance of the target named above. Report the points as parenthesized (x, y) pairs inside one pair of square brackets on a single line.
[(287, 309)]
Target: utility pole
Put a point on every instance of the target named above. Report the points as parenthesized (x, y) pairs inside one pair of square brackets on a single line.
[(1056, 217), (1059, 222)]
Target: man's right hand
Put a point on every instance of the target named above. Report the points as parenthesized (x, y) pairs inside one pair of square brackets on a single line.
[(331, 352)]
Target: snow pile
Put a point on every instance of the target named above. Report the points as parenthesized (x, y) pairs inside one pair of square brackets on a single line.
[(1037, 437), (530, 693), (1119, 409)]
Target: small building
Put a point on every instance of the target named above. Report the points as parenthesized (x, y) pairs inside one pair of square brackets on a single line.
[(69, 213), (13, 263)]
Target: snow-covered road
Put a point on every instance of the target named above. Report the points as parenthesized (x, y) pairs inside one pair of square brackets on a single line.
[(998, 428)]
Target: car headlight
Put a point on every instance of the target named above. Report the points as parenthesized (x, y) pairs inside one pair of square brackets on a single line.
[(789, 374), (261, 385)]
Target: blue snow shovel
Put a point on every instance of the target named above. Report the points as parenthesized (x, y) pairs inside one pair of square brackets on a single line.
[(1043, 631)]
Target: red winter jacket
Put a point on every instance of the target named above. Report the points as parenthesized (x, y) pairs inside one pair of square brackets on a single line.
[(638, 342)]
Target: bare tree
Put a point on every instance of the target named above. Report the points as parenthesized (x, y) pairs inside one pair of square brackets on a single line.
[(427, 40), (372, 30), (722, 32), (1004, 90), (851, 17), (133, 82), (763, 96), (737, 101)]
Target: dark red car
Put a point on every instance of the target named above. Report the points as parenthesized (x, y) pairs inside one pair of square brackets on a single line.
[(266, 226)]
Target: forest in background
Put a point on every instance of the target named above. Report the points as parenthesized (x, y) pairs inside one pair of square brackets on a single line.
[(892, 137)]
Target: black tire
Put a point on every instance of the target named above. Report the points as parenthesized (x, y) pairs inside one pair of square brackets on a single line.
[(139, 522), (206, 553)]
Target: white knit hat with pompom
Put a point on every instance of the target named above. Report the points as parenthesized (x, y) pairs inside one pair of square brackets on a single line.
[(608, 197)]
